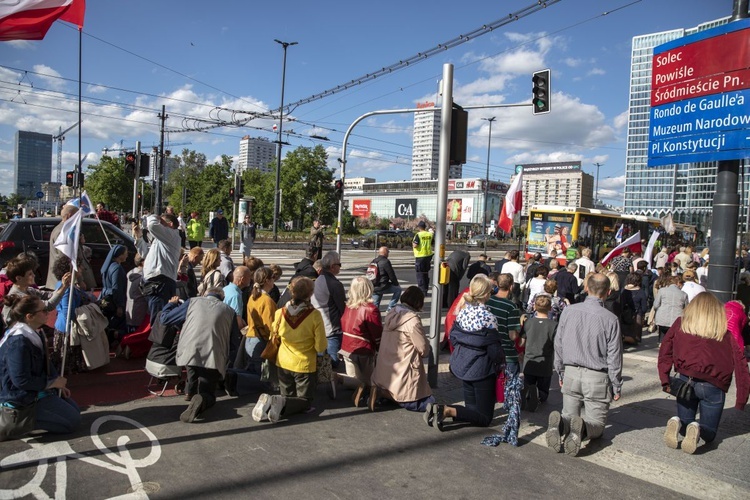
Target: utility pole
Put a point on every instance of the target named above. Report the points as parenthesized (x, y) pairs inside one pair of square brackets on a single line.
[(276, 192), (596, 193), (160, 165), (136, 175), (487, 184)]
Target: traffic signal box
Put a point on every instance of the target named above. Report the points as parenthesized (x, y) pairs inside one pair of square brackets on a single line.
[(540, 99), (130, 163), (338, 189)]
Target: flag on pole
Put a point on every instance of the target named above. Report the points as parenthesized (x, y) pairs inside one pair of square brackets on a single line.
[(668, 223), (618, 236), (30, 19), (650, 248), (70, 235), (633, 243), (512, 204), (84, 203)]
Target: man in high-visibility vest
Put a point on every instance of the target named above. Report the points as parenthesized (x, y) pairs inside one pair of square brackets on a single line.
[(422, 244)]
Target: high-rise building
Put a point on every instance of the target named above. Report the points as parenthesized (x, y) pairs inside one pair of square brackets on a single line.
[(256, 152), (426, 146), (560, 183), (686, 190), (170, 164), (33, 162)]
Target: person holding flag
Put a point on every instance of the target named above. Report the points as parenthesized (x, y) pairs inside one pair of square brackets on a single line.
[(620, 259)]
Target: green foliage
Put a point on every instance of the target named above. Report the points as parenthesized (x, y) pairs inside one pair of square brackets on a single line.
[(307, 187), (106, 182), (209, 189), (260, 185)]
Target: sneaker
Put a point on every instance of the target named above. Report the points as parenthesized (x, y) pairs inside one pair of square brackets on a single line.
[(193, 410), (533, 403), (575, 437), (671, 435), (554, 431), (429, 414), (260, 412), (357, 396), (230, 384), (276, 407), (692, 436), (439, 411)]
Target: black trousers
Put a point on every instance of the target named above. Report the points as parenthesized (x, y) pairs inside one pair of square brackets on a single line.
[(203, 381)]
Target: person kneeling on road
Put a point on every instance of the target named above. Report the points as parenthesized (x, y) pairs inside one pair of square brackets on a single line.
[(209, 338)]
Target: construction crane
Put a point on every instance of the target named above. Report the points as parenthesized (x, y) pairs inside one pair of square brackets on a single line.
[(60, 137)]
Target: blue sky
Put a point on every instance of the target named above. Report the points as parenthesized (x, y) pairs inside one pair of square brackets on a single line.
[(194, 57)]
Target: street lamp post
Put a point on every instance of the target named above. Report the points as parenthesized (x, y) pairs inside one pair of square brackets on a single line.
[(487, 183), (596, 194), (276, 197)]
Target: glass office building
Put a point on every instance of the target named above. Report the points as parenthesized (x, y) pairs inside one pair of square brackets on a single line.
[(33, 162), (686, 190)]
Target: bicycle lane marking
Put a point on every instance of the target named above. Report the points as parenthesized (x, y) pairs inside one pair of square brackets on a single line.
[(61, 451)]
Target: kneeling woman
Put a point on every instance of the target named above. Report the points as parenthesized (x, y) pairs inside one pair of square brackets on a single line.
[(399, 371), (476, 359), (26, 375), (703, 355)]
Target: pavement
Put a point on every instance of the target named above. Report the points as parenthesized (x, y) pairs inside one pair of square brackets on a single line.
[(132, 444)]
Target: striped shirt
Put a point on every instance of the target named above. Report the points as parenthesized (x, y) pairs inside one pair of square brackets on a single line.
[(508, 318), (589, 336)]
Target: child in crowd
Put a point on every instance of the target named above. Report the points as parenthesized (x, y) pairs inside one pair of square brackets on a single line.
[(539, 333)]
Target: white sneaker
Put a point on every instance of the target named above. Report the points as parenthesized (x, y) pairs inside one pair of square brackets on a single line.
[(671, 435), (260, 412), (692, 437), (276, 406)]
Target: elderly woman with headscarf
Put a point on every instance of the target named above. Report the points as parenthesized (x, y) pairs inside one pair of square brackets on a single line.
[(114, 292)]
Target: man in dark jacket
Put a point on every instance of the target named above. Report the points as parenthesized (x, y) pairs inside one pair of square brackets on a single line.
[(385, 281), (479, 267), (458, 262), (219, 229), (567, 283), (533, 265)]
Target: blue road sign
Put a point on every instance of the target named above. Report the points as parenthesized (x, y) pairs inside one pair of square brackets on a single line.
[(39, 195)]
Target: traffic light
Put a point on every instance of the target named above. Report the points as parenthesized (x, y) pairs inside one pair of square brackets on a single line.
[(232, 193), (338, 189), (144, 167), (69, 175), (139, 196), (540, 100), (130, 163), (459, 128), (78, 178)]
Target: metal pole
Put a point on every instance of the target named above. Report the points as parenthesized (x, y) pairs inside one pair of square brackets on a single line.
[(135, 177), (276, 198), (442, 202), (487, 184), (160, 169), (726, 208), (596, 195)]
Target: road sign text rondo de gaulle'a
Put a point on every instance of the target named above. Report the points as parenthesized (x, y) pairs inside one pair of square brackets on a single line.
[(700, 97)]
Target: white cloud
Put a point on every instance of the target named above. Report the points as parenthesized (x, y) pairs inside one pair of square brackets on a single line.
[(49, 76), (96, 89), (596, 71), (621, 120), (572, 62), (21, 44)]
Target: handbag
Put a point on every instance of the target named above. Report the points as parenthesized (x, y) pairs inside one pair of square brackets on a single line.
[(271, 350), (107, 305), (681, 389), (17, 422)]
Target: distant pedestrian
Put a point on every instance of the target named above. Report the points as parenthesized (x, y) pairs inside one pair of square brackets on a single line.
[(182, 227), (317, 235), (219, 229), (196, 231), (247, 236)]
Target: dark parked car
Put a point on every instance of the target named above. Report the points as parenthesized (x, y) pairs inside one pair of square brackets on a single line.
[(33, 234), (391, 239)]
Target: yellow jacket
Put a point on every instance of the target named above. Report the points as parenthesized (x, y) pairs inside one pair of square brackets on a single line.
[(301, 343), (260, 315)]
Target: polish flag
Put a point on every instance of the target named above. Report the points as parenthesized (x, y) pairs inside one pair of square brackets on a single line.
[(512, 204), (30, 19), (633, 243)]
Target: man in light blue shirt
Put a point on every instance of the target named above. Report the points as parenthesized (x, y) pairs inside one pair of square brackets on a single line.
[(233, 291)]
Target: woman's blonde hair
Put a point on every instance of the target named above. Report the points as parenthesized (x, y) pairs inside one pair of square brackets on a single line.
[(360, 292), (614, 281), (705, 317), (211, 261), (480, 289)]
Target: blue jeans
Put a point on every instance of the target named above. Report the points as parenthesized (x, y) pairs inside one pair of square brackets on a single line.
[(419, 405), (57, 415), (254, 346), (479, 398), (710, 400), (378, 296), (334, 346)]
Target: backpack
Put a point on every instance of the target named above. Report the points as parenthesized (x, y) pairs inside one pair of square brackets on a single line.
[(372, 272)]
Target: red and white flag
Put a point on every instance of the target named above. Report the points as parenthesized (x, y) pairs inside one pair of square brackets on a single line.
[(30, 19), (512, 204), (633, 243)]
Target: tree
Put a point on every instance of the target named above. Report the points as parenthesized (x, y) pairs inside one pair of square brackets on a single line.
[(209, 190), (260, 186), (307, 187), (182, 179), (107, 182)]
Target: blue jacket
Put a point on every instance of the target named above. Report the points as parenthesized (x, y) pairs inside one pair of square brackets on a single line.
[(476, 355), (24, 371), (114, 282)]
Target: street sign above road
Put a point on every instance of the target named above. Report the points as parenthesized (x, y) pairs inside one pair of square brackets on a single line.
[(39, 195), (700, 97)]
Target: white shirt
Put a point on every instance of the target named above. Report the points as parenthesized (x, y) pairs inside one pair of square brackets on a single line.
[(516, 269), (587, 265), (164, 253), (692, 289)]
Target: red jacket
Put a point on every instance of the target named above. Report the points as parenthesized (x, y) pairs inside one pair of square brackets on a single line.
[(705, 359), (362, 328)]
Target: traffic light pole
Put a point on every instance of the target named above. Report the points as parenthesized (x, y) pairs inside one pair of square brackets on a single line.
[(135, 177)]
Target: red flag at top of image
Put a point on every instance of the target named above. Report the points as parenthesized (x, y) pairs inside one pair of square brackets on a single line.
[(512, 204), (31, 19)]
